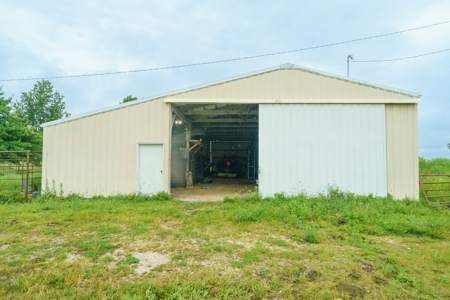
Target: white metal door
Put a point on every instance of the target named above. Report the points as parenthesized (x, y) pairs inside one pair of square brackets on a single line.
[(310, 147), (150, 168)]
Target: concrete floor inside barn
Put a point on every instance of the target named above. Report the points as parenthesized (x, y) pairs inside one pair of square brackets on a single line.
[(215, 191)]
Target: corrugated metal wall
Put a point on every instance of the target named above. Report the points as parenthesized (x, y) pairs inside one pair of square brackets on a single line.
[(290, 84), (402, 151), (307, 147), (96, 155)]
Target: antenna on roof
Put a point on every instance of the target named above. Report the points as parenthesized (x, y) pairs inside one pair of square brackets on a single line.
[(348, 64)]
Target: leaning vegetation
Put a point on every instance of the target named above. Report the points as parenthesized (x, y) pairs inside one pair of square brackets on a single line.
[(434, 166), (336, 245)]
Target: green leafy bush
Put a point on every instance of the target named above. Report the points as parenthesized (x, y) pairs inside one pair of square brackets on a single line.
[(8, 197), (311, 236), (242, 215)]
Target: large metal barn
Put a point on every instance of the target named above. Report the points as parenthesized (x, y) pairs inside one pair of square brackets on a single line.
[(287, 129)]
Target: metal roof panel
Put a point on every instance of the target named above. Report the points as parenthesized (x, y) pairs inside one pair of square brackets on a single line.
[(286, 66)]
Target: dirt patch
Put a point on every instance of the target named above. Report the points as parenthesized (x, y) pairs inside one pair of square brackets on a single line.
[(149, 260), (71, 257), (367, 267), (117, 255), (38, 260), (312, 275), (215, 191), (351, 290), (190, 212), (354, 276), (383, 239), (169, 225), (262, 276), (379, 281), (244, 242), (220, 262), (138, 244), (3, 247)]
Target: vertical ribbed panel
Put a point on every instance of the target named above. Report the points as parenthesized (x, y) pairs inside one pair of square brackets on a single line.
[(402, 151), (309, 147), (96, 155), (46, 160)]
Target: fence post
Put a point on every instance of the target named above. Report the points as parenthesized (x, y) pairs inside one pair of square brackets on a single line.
[(26, 179)]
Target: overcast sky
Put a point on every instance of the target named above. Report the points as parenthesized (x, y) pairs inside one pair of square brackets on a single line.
[(57, 38)]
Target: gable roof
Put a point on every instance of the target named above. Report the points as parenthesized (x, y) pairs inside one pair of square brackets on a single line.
[(287, 66)]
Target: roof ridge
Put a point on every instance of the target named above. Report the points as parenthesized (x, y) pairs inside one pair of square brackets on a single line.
[(285, 66)]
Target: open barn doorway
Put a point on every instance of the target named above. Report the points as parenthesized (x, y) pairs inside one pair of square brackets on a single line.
[(214, 150)]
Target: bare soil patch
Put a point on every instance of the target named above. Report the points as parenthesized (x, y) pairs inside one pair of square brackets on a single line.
[(170, 225), (215, 191), (72, 257), (149, 260), (351, 290)]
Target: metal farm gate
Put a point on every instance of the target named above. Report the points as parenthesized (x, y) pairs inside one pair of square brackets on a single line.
[(20, 171)]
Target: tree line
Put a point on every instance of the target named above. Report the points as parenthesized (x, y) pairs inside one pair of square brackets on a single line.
[(21, 120)]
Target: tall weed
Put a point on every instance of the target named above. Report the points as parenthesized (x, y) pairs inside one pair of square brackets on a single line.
[(9, 197), (434, 166), (356, 214)]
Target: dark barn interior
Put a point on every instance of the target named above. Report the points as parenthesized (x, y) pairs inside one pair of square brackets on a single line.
[(214, 149)]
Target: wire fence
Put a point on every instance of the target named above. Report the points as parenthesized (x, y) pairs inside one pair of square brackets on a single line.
[(20, 171)]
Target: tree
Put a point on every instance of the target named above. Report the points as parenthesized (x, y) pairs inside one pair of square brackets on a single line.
[(40, 105), (14, 133), (128, 98)]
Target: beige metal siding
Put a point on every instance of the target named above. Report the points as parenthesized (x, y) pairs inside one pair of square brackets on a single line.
[(402, 151), (46, 161), (96, 155), (311, 147), (291, 84)]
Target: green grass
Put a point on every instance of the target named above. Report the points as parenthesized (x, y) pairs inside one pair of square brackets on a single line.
[(11, 177), (435, 167), (282, 247), (326, 247), (131, 260)]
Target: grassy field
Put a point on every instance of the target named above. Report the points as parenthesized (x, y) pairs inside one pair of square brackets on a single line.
[(132, 247), (436, 166), (13, 176), (251, 248)]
